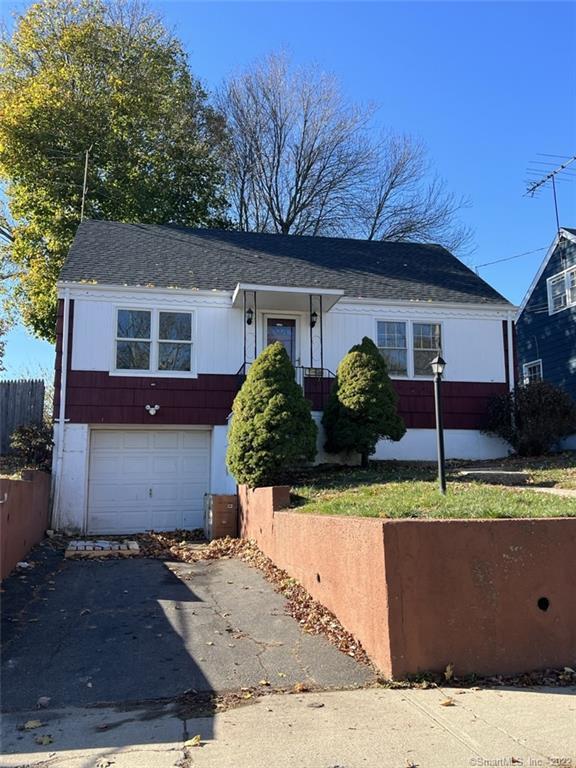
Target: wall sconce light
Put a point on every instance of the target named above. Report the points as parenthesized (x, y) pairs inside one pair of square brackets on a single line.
[(249, 316), (152, 409), (313, 319)]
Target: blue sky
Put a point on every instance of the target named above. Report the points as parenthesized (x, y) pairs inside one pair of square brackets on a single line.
[(487, 86)]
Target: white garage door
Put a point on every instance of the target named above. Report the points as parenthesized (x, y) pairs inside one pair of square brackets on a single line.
[(147, 479)]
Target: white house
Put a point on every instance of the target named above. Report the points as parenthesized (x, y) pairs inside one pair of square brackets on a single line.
[(157, 325)]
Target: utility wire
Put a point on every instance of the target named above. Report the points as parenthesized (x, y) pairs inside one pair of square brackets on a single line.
[(509, 258)]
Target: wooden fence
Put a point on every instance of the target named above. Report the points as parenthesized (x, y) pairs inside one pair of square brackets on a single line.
[(21, 403)]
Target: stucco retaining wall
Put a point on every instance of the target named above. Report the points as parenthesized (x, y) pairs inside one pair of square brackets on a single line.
[(24, 516), (420, 594)]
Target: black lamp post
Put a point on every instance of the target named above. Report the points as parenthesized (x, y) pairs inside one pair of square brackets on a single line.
[(438, 365)]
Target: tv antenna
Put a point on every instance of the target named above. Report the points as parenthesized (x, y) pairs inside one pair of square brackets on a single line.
[(558, 173)]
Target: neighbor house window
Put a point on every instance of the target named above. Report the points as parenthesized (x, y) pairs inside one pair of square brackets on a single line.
[(153, 340), (392, 345), (562, 291), (427, 344), (532, 371)]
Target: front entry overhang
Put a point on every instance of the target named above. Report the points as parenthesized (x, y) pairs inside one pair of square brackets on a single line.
[(285, 298)]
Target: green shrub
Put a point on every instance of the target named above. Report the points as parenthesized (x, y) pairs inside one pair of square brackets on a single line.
[(272, 430), (533, 418), (32, 444), (362, 408)]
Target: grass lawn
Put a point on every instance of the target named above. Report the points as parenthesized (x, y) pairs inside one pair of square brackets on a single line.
[(398, 490)]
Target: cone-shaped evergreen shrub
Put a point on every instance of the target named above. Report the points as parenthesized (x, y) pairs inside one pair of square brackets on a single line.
[(362, 407), (272, 429)]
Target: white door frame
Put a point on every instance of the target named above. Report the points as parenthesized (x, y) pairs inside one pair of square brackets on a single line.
[(297, 317)]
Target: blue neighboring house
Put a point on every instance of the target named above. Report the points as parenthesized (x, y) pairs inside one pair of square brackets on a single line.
[(546, 322)]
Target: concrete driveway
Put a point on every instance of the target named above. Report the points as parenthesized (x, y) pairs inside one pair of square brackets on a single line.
[(131, 631)]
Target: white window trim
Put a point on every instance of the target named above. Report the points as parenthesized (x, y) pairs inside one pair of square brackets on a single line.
[(409, 361), (154, 341), (411, 375), (525, 367), (565, 275), (425, 376)]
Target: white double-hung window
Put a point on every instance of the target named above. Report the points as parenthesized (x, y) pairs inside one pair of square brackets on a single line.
[(153, 341), (427, 344), (408, 347), (562, 291), (391, 342)]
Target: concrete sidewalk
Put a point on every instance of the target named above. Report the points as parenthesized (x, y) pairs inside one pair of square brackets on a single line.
[(371, 728)]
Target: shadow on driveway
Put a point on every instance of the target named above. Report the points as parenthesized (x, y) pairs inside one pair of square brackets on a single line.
[(136, 634)]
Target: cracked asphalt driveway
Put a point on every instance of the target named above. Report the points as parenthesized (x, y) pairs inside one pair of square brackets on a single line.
[(128, 631)]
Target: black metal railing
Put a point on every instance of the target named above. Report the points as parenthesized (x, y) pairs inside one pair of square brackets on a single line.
[(316, 382)]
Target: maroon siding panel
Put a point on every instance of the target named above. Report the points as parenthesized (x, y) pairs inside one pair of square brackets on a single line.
[(95, 397), (465, 403)]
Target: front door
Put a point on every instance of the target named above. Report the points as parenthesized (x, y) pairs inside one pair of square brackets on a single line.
[(282, 329)]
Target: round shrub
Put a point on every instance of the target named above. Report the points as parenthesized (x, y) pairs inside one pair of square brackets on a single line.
[(272, 430), (362, 408)]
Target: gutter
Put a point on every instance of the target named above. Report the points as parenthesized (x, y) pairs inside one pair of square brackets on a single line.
[(61, 410)]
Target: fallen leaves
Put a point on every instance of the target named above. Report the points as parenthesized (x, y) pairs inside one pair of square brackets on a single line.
[(29, 725), (449, 702), (311, 615), (44, 740)]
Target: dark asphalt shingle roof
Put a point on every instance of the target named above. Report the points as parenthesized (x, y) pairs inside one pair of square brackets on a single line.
[(108, 252)]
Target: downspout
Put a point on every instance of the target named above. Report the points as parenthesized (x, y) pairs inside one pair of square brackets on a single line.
[(511, 365), (62, 408)]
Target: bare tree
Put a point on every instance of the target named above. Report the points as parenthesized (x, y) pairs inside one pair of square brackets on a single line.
[(296, 149), (402, 199), (303, 160)]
